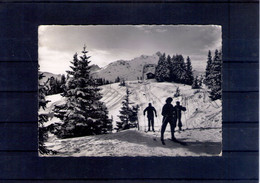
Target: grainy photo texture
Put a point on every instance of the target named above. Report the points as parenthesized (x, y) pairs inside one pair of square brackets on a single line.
[(130, 90)]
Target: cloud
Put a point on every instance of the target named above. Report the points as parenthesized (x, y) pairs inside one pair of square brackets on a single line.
[(53, 61), (107, 43), (98, 52)]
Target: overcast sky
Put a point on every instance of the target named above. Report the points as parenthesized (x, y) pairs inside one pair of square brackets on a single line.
[(108, 43)]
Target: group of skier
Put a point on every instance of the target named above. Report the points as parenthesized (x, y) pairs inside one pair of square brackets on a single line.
[(171, 114)]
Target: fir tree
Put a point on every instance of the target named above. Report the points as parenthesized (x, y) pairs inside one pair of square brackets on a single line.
[(42, 118), (178, 69), (162, 70), (208, 68), (128, 115), (117, 80), (189, 72), (177, 92), (62, 83), (215, 76), (52, 84), (134, 116), (200, 81), (83, 113), (122, 82), (195, 84)]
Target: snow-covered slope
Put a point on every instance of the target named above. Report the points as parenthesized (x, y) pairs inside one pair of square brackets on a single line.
[(128, 70), (201, 111), (201, 122), (137, 143)]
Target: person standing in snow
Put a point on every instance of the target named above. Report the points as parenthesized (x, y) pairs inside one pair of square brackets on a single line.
[(179, 108), (169, 116), (150, 115)]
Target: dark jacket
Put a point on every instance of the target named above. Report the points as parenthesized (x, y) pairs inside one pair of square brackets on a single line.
[(150, 110), (168, 110), (179, 108)]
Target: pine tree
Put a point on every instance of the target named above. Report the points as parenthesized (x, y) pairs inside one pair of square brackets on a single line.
[(162, 70), (43, 118), (200, 81), (215, 76), (122, 82), (52, 83), (208, 68), (128, 114), (189, 72), (62, 83), (117, 80), (134, 116), (195, 84), (83, 113), (177, 92), (178, 69)]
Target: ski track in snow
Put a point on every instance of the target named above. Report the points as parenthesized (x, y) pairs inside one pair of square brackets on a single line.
[(201, 122)]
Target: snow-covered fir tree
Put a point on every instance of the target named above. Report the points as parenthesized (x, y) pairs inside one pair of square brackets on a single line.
[(208, 68), (128, 114), (177, 92), (122, 83), (162, 70), (83, 113), (117, 80), (62, 82), (42, 118), (134, 116), (189, 73), (178, 71), (214, 78), (195, 84), (200, 81)]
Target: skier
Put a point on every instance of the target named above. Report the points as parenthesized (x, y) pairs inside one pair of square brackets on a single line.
[(150, 115), (179, 108), (169, 113)]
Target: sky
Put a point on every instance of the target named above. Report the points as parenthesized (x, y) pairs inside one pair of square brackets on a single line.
[(108, 43)]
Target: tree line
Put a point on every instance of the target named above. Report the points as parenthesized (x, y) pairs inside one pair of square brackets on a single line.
[(213, 77), (56, 85), (174, 69)]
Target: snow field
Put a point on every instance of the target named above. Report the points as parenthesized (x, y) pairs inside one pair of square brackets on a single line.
[(202, 124), (201, 111)]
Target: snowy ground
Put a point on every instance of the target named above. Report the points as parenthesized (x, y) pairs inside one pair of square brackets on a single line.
[(201, 124)]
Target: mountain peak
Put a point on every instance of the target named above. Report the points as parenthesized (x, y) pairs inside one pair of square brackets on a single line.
[(127, 69)]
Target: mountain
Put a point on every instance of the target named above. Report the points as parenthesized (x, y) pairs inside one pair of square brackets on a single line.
[(127, 69), (94, 68), (49, 75)]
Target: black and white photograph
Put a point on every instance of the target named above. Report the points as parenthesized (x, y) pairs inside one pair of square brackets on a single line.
[(129, 90)]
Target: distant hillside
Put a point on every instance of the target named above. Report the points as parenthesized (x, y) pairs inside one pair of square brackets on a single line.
[(49, 75), (127, 69), (94, 68), (198, 73)]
